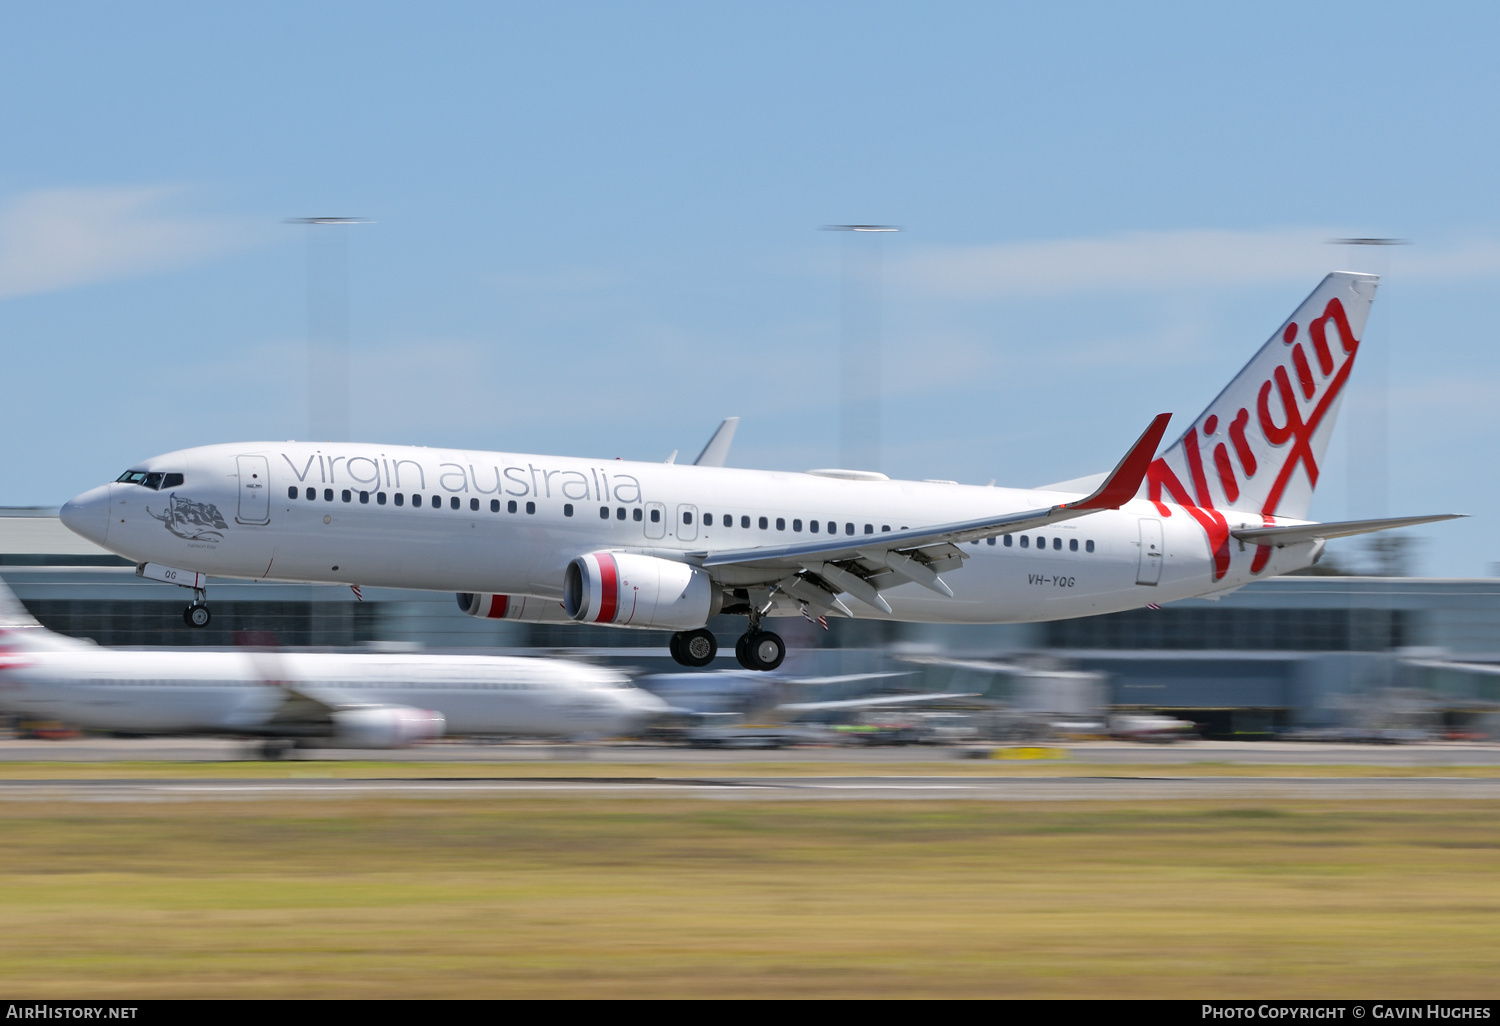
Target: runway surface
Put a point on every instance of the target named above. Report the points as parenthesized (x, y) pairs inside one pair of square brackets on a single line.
[(915, 788)]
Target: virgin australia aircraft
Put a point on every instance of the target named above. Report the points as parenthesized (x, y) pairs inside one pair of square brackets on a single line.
[(314, 699), (664, 546)]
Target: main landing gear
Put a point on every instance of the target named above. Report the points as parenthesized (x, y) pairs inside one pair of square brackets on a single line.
[(756, 649), (197, 614), (694, 648)]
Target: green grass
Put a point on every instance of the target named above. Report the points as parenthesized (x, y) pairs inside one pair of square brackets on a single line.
[(691, 897)]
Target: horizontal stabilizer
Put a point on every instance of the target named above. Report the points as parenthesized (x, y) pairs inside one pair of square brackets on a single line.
[(1337, 529)]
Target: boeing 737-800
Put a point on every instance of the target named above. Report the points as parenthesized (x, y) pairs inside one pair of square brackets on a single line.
[(316, 699), (664, 546)]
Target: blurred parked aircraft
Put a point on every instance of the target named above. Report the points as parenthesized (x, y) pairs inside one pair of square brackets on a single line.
[(314, 699)]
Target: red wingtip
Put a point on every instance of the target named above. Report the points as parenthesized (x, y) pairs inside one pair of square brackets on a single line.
[(1125, 480)]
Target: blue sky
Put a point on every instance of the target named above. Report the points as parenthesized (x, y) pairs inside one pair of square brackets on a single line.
[(596, 229)]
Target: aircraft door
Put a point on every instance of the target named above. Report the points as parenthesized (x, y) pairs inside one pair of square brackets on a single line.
[(1149, 570), (687, 522), (255, 490), (656, 520)]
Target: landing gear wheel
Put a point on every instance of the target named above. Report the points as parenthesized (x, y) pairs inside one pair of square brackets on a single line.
[(196, 615), (760, 650), (275, 749), (694, 648)]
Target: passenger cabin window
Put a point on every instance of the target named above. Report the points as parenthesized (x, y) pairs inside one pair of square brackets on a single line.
[(416, 502), (1025, 541), (347, 496), (531, 507), (437, 502), (603, 512), (327, 494), (474, 507), (708, 520), (494, 505), (990, 540), (620, 513), (399, 499), (364, 498), (656, 516), (1088, 546), (510, 507), (567, 509), (453, 502), (848, 528), (312, 493), (1072, 544), (1007, 541), (687, 518), (796, 525), (1056, 544), (833, 528), (745, 521), (812, 525), (764, 523), (781, 523), (380, 498), (636, 514), (291, 493)]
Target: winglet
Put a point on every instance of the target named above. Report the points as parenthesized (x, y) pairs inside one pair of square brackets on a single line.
[(1125, 480), (717, 450)]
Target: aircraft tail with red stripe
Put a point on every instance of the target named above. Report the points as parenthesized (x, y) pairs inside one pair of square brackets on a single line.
[(1258, 447)]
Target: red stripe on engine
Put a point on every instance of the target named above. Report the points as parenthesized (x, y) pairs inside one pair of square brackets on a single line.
[(609, 588), (498, 605)]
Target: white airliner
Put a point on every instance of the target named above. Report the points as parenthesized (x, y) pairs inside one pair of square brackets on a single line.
[(664, 546), (315, 699)]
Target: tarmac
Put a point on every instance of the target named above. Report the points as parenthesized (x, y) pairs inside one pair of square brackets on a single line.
[(845, 774)]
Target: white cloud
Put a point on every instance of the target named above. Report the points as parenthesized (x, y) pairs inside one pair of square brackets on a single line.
[(55, 239), (1158, 261)]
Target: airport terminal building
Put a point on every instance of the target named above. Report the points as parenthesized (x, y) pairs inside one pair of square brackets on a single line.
[(1290, 652)]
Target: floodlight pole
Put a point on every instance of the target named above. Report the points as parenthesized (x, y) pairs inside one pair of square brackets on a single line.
[(327, 326), (859, 347)]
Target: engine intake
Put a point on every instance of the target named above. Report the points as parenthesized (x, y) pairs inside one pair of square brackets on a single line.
[(629, 590)]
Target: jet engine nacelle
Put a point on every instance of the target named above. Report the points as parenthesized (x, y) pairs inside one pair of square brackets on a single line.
[(629, 590), (385, 726), (527, 608)]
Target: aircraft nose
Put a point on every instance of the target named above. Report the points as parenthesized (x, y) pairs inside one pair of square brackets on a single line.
[(88, 514)]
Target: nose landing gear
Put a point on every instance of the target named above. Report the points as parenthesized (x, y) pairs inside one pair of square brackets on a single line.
[(197, 614)]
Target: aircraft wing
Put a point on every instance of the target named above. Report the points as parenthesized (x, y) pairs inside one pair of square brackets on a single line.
[(864, 565), (717, 450), (876, 703), (1334, 529)]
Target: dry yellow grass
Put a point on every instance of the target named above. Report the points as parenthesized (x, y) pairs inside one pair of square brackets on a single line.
[(688, 897)]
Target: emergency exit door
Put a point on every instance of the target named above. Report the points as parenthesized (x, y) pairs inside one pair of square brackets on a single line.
[(255, 490), (1149, 569)]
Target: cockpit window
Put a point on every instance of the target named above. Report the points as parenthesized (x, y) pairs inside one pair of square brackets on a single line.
[(152, 479)]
